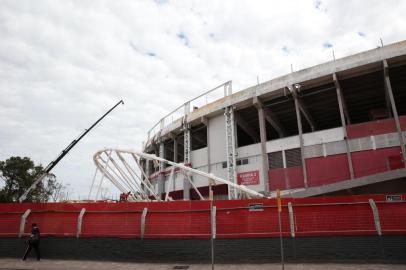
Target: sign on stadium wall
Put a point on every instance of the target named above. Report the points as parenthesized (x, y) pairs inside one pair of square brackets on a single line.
[(248, 178)]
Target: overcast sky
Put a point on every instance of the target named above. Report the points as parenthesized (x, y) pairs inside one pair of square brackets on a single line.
[(64, 63)]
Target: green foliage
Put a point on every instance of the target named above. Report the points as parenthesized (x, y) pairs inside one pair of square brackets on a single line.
[(19, 174)]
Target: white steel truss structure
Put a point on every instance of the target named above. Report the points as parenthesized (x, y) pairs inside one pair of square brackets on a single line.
[(123, 169)]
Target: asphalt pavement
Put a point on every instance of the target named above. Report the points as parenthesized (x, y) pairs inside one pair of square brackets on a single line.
[(31, 264)]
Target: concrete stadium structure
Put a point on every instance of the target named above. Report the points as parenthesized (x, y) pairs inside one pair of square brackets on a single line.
[(335, 128)]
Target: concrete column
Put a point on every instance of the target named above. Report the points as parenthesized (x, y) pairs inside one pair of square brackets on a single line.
[(205, 121), (208, 146), (175, 149), (161, 176), (262, 131), (210, 182), (187, 159), (344, 125), (299, 126), (389, 91)]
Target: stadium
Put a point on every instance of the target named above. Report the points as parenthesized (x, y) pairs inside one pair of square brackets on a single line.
[(206, 186), (333, 129)]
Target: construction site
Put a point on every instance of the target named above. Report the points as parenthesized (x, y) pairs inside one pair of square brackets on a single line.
[(305, 168)]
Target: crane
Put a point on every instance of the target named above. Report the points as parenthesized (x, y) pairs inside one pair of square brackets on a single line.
[(64, 152)]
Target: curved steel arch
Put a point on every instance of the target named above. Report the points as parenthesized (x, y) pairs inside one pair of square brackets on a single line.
[(123, 169)]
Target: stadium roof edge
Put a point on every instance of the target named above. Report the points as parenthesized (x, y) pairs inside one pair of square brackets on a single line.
[(316, 75)]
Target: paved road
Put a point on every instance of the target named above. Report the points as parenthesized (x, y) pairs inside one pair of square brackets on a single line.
[(13, 264)]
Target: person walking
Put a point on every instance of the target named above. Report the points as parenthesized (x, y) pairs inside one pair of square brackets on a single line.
[(33, 242)]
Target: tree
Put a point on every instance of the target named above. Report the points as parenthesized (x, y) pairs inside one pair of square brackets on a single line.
[(19, 174)]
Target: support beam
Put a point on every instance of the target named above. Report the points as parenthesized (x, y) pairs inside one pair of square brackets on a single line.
[(274, 122), (102, 178), (262, 133), (299, 127), (143, 186), (161, 176), (79, 223), (187, 160), (231, 151), (205, 121), (170, 184), (213, 233), (147, 172), (23, 221), (103, 167), (389, 91), (270, 117), (142, 223), (193, 185), (387, 100), (341, 105), (291, 220), (176, 142), (147, 183), (131, 184), (376, 216), (246, 127), (142, 167), (342, 100), (304, 110), (213, 222), (175, 149)]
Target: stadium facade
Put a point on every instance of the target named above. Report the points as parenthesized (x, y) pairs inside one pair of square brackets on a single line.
[(335, 128)]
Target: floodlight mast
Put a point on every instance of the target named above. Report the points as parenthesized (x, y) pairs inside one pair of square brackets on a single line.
[(53, 163)]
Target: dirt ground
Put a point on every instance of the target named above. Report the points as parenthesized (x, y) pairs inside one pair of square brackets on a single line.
[(13, 264)]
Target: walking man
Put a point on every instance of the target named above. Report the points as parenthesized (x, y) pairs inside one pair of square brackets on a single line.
[(33, 242)]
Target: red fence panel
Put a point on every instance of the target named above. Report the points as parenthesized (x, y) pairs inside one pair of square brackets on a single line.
[(53, 223), (111, 224), (236, 220), (329, 220), (392, 217), (9, 224), (178, 219)]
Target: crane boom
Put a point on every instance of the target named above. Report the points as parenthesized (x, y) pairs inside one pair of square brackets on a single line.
[(53, 163)]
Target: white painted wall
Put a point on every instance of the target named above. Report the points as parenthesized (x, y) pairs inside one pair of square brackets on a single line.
[(282, 144), (199, 157), (217, 138), (323, 136), (317, 137), (249, 150)]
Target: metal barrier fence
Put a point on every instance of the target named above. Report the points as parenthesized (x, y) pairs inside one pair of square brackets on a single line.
[(323, 216)]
